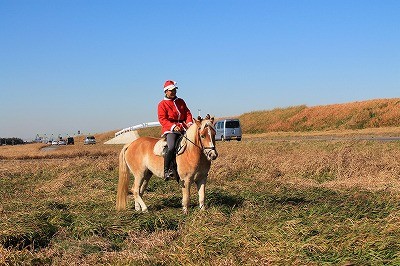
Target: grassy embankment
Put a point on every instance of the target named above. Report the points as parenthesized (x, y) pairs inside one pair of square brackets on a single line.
[(348, 116), (269, 202)]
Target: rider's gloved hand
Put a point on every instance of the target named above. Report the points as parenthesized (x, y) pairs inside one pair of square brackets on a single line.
[(178, 128)]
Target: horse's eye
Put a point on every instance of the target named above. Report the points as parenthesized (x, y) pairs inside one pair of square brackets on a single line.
[(202, 136)]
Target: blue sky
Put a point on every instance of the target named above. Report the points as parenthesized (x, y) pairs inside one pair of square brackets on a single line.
[(96, 66)]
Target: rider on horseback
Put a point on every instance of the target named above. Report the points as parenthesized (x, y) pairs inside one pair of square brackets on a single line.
[(174, 117)]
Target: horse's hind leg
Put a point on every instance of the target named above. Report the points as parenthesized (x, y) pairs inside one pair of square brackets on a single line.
[(139, 203), (145, 182)]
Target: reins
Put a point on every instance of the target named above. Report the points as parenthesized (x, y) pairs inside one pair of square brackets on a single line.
[(201, 147)]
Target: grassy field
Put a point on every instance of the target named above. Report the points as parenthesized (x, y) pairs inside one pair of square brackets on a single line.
[(270, 201)]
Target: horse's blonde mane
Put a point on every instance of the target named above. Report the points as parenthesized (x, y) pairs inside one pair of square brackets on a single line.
[(207, 123), (192, 130)]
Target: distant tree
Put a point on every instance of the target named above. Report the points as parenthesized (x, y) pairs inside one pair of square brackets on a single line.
[(11, 141)]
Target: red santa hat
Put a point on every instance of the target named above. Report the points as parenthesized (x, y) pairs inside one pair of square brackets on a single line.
[(170, 85)]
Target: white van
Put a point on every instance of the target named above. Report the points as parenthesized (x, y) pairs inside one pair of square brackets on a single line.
[(228, 129)]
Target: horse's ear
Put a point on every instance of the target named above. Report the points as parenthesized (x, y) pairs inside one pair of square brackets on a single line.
[(207, 116), (212, 120), (197, 121)]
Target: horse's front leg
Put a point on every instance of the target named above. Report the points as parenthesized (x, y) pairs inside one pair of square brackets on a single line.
[(201, 189), (186, 195)]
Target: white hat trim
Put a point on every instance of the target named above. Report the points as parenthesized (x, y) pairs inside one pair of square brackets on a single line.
[(170, 87)]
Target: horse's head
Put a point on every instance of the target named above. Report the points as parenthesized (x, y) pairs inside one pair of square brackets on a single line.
[(207, 133)]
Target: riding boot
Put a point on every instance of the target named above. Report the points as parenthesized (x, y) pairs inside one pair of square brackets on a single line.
[(174, 167), (169, 156)]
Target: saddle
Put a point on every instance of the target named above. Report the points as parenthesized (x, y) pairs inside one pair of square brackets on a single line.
[(160, 148)]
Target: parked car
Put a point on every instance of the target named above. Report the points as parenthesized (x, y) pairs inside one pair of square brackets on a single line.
[(54, 142), (62, 142), (228, 129), (70, 141), (90, 140)]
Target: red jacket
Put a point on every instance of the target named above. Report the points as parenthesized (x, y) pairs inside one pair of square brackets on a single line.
[(173, 112)]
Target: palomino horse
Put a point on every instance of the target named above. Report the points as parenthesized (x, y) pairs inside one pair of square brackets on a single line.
[(193, 164)]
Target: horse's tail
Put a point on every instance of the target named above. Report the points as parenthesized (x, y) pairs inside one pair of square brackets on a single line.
[(123, 181)]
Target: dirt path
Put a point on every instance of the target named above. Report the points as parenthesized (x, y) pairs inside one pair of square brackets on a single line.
[(326, 138), (50, 148)]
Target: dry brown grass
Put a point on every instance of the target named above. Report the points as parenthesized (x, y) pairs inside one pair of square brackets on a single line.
[(356, 115), (370, 165), (272, 201)]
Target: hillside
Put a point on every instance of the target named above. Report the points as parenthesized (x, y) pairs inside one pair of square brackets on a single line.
[(355, 115)]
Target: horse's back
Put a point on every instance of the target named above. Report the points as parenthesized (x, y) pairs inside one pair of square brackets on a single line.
[(143, 144)]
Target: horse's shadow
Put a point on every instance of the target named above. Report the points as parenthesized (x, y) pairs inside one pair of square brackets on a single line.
[(220, 199), (224, 200), (170, 202)]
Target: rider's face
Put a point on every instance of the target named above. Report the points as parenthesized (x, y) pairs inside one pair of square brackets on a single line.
[(170, 93)]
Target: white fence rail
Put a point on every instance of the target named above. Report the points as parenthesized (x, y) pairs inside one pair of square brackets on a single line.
[(143, 125)]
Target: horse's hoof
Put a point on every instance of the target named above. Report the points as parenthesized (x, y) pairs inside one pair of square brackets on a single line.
[(137, 207)]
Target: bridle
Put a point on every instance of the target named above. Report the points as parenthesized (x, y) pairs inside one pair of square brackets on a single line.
[(201, 146)]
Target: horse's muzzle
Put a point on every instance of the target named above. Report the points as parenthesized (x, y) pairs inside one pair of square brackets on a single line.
[(211, 154)]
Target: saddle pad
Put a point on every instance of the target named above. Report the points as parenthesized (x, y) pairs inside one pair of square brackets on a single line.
[(159, 147), (162, 143)]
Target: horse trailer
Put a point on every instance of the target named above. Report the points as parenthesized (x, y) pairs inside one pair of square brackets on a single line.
[(228, 129)]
